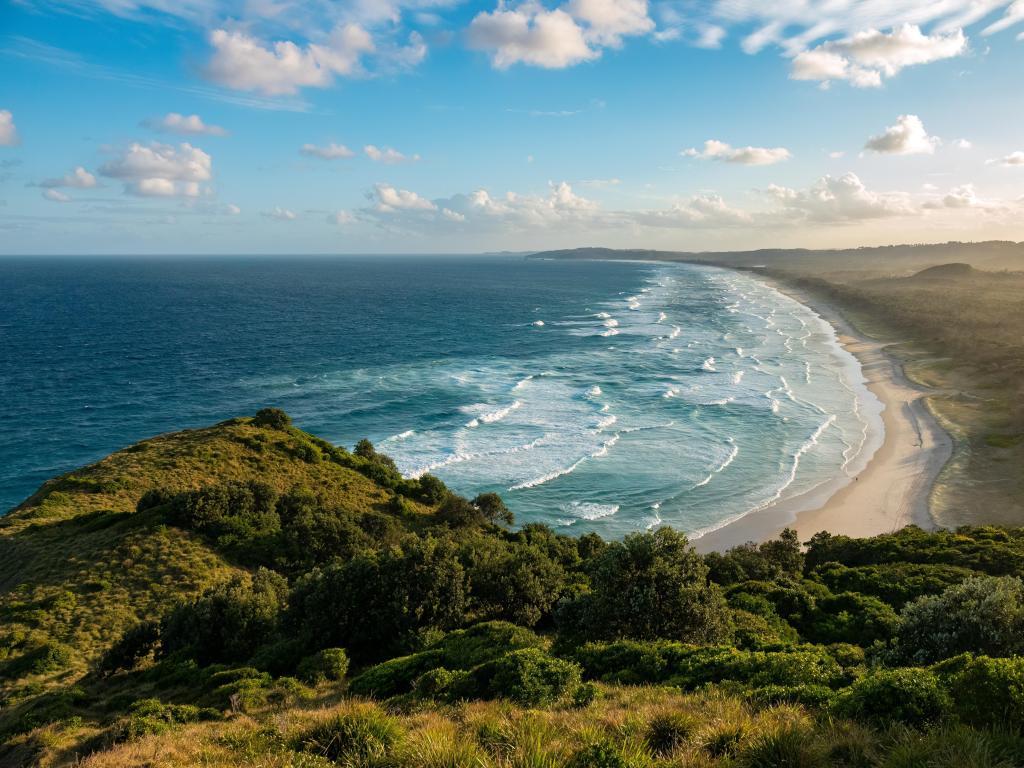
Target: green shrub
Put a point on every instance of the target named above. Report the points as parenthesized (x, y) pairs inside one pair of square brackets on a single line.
[(153, 716), (724, 741), (362, 735), (690, 667), (134, 645), (910, 696), (396, 676), (528, 677), (328, 664), (272, 418), (601, 754), (989, 691), (818, 696)]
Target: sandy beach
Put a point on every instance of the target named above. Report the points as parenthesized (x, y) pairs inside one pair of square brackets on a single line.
[(892, 490)]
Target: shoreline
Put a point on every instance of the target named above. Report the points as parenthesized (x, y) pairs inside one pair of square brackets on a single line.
[(892, 489)]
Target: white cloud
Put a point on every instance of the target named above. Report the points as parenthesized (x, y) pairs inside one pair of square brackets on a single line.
[(906, 137), (707, 211), (530, 35), (391, 199), (388, 156), (608, 21), (962, 144), (330, 151), (8, 132), (184, 125), (341, 218), (837, 154), (279, 214), (613, 182), (56, 196), (865, 58), (719, 150), (1012, 159), (232, 210), (161, 170), (837, 200), (77, 179), (244, 63)]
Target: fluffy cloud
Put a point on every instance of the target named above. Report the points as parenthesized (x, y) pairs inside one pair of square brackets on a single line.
[(719, 150), (866, 57), (161, 170), (77, 179), (331, 151), (388, 156), (8, 132), (56, 196), (608, 21), (838, 200), (390, 199), (530, 35), (341, 218), (246, 64), (184, 125), (906, 137), (706, 211), (279, 214), (1012, 159)]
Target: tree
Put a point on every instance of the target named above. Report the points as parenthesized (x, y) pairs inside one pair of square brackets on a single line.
[(648, 586), (493, 509), (982, 615), (228, 622)]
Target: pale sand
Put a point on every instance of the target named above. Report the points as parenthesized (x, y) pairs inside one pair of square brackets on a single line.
[(892, 491)]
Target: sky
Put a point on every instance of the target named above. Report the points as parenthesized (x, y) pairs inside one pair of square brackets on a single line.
[(458, 126)]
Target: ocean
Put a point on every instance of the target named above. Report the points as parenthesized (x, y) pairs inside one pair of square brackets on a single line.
[(593, 396)]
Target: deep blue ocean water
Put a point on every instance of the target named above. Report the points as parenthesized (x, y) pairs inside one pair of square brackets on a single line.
[(604, 396)]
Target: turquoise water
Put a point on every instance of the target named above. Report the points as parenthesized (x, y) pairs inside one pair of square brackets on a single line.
[(593, 396)]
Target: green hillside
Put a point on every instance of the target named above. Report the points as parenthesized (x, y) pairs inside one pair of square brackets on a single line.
[(248, 594)]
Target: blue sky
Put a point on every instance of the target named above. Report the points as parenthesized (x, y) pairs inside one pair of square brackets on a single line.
[(271, 126)]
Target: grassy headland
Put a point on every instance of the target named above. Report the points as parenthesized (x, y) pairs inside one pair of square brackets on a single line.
[(248, 594)]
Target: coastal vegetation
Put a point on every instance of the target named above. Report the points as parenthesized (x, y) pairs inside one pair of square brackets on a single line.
[(248, 594)]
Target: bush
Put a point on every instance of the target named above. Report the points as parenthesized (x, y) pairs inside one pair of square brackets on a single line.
[(361, 735), (982, 615), (817, 696), (328, 664), (528, 677), (272, 418), (153, 716), (691, 667), (989, 691), (601, 754), (910, 696)]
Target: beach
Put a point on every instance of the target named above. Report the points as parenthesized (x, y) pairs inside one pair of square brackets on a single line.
[(892, 490)]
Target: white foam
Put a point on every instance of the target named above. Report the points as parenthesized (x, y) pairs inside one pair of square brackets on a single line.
[(602, 315), (401, 436), (493, 416), (606, 422), (522, 382), (584, 510), (662, 317), (737, 377), (594, 391), (605, 447), (547, 478), (708, 365), (611, 332), (676, 330), (538, 323)]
